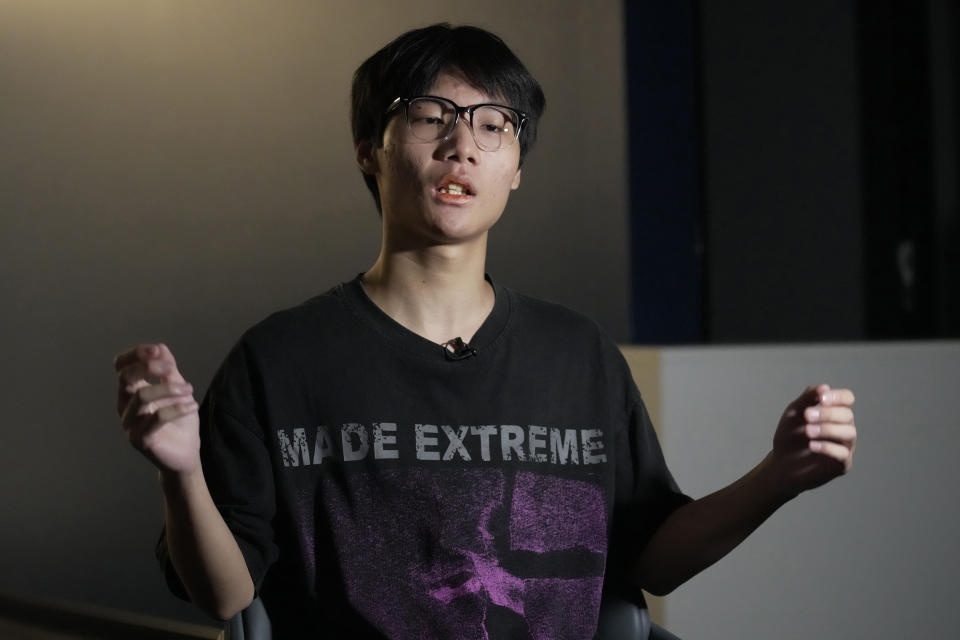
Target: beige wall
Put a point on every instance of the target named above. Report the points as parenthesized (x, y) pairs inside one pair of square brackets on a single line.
[(176, 169)]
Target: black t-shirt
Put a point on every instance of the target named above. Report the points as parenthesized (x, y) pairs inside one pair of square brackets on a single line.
[(379, 487)]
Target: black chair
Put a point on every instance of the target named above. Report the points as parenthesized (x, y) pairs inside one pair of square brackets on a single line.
[(624, 620), (619, 620), (252, 623)]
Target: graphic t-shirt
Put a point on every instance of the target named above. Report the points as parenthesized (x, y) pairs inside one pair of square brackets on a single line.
[(380, 486)]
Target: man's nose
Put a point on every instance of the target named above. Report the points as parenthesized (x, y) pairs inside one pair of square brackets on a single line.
[(460, 144)]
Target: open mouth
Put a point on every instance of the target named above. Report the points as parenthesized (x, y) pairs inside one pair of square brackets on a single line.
[(456, 186), (456, 189)]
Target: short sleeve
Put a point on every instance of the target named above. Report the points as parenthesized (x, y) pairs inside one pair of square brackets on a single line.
[(646, 493), (237, 467), (646, 480)]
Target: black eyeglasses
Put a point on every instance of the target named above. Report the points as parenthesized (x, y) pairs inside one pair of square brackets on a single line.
[(431, 118)]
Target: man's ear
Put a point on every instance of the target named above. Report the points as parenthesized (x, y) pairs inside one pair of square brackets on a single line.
[(516, 181), (367, 158)]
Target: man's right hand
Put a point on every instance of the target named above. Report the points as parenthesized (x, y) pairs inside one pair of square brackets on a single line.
[(157, 408), (160, 419)]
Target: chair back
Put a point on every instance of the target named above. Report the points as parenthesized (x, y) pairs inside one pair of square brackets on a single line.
[(619, 620)]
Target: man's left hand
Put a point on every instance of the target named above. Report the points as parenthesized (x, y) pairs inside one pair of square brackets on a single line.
[(815, 440)]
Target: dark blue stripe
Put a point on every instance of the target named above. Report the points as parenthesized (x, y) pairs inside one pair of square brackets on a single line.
[(668, 288)]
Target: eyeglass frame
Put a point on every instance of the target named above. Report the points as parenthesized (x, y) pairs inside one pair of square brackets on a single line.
[(468, 111)]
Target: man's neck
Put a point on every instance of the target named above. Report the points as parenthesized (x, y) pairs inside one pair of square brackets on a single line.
[(439, 293)]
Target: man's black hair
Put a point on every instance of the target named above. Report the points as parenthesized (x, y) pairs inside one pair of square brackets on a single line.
[(408, 67)]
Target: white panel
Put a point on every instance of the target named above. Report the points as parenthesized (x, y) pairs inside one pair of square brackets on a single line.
[(871, 555)]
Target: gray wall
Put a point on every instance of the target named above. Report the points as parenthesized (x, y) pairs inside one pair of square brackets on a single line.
[(175, 170), (872, 555)]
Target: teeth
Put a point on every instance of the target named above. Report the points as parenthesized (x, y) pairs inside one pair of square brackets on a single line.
[(454, 188)]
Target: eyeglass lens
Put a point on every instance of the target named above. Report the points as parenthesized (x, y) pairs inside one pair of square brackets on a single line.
[(431, 120)]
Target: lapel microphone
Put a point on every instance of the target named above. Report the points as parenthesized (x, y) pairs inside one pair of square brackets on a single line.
[(457, 349)]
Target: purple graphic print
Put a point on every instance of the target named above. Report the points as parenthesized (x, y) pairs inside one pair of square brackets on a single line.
[(552, 515), (441, 553)]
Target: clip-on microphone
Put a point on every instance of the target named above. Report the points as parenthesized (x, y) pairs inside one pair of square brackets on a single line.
[(457, 349)]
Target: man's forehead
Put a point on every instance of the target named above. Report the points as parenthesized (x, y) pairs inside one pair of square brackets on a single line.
[(457, 80)]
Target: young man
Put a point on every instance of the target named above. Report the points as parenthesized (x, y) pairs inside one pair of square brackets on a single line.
[(422, 452)]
